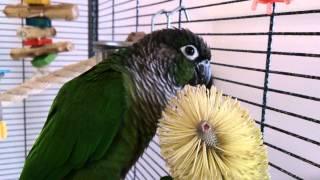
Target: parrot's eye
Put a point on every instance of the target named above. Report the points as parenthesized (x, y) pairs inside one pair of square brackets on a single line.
[(190, 52)]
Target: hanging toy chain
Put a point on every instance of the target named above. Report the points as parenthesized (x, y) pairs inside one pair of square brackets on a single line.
[(37, 35), (268, 3)]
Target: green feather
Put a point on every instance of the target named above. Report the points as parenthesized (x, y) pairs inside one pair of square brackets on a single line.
[(82, 124), (166, 178), (183, 70)]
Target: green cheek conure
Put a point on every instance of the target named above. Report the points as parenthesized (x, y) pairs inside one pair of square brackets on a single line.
[(101, 122)]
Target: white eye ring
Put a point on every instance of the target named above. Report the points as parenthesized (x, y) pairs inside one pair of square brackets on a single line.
[(190, 52)]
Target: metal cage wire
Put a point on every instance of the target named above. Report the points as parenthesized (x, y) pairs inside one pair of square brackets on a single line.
[(114, 20), (146, 169)]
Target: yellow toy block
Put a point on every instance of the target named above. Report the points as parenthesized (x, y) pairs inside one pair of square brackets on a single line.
[(3, 130), (37, 2)]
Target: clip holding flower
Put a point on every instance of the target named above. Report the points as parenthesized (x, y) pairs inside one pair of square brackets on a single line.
[(268, 3)]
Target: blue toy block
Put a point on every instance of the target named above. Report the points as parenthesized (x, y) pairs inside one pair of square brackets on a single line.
[(2, 73), (41, 22)]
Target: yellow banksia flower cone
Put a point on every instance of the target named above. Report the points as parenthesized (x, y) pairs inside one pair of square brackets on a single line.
[(207, 136), (3, 130)]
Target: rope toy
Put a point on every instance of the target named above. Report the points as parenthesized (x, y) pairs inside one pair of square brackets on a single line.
[(205, 135), (39, 83)]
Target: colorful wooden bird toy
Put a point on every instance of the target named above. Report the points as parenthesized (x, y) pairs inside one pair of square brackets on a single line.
[(37, 35), (268, 3)]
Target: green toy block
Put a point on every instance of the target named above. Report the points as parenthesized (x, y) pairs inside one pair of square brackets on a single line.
[(44, 60)]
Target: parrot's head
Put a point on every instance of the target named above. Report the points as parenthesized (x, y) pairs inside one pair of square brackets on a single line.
[(187, 55), (192, 62)]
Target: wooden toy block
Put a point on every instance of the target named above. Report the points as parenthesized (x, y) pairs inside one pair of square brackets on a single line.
[(41, 22), (44, 60), (20, 53), (29, 32), (37, 42), (61, 11), (37, 2)]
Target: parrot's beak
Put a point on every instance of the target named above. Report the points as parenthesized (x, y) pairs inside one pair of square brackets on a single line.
[(202, 74)]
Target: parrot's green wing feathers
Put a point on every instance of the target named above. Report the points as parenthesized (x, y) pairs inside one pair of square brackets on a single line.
[(166, 178), (83, 121)]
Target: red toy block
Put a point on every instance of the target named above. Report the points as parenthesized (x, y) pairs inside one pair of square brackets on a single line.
[(37, 42)]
